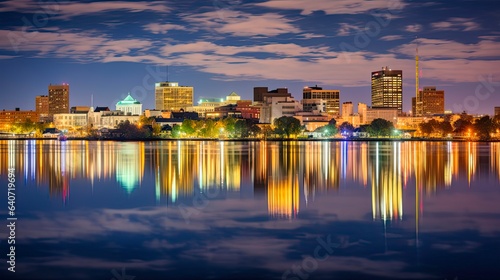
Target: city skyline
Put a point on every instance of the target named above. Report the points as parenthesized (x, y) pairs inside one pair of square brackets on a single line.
[(108, 49)]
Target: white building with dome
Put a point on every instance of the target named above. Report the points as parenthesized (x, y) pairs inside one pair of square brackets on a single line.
[(129, 106)]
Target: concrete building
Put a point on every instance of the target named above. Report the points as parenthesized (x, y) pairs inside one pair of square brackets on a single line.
[(111, 119), (172, 97), (248, 109), (387, 89), (206, 106), (10, 117), (276, 107), (428, 102), (310, 105), (79, 109), (389, 114), (129, 106), (312, 120), (259, 93), (331, 96), (58, 99), (70, 121)]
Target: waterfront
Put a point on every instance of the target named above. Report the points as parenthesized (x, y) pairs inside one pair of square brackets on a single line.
[(222, 209)]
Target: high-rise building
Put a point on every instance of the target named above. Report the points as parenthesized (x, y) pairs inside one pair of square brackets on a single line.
[(387, 89), (497, 111), (331, 96), (58, 99), (347, 109), (42, 107), (428, 102), (172, 97)]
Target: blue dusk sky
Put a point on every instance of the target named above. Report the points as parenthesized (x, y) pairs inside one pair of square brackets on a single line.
[(107, 49)]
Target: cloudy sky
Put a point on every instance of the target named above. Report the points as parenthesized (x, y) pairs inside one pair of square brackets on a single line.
[(107, 49)]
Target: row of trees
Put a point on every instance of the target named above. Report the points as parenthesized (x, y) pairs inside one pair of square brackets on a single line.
[(223, 128), (283, 127), (482, 128)]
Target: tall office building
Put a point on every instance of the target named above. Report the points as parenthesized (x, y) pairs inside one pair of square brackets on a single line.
[(428, 102), (170, 96), (331, 96), (58, 99), (497, 111), (387, 89), (347, 109)]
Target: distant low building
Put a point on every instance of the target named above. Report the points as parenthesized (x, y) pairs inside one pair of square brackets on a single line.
[(10, 117), (248, 109), (312, 120), (129, 106), (207, 106), (389, 114), (276, 107), (70, 121)]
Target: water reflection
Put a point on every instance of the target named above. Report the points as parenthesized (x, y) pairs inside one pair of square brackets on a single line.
[(290, 174)]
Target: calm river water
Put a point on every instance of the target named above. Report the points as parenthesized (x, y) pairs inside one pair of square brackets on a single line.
[(251, 210)]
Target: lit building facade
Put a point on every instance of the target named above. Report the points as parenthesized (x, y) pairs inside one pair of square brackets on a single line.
[(276, 107), (388, 114), (331, 96), (497, 111), (428, 102), (207, 106), (10, 117), (314, 105), (129, 106), (70, 121), (387, 89), (42, 107), (347, 109), (58, 99), (362, 108), (172, 97)]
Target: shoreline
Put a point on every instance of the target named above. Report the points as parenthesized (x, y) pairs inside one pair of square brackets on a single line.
[(260, 140)]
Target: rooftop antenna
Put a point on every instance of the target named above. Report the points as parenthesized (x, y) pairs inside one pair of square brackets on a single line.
[(167, 75), (417, 77)]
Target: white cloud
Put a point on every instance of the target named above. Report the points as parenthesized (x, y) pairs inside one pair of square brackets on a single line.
[(446, 49), (242, 24), (391, 37), (346, 29), (413, 28), (157, 28), (67, 10), (335, 7), (62, 43), (456, 24)]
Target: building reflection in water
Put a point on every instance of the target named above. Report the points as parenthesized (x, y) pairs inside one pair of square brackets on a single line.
[(386, 180), (289, 174)]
